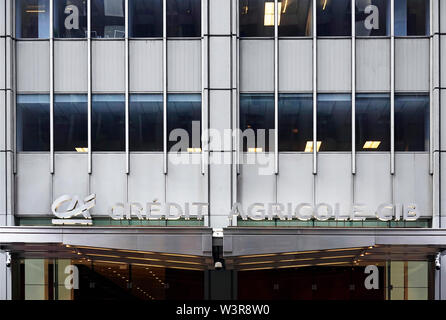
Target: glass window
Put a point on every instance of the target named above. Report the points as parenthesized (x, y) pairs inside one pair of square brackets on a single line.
[(146, 122), (257, 114), (33, 122), (107, 19), (372, 18), (295, 18), (334, 18), (295, 121), (373, 122), (70, 123), (146, 18), (184, 113), (70, 18), (411, 123), (411, 17), (108, 122), (184, 18), (32, 19), (334, 131)]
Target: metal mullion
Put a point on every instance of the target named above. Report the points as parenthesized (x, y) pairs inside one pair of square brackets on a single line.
[(51, 71), (392, 87), (353, 62), (314, 11), (237, 102), (431, 88), (89, 84), (126, 44), (165, 167), (276, 87), (204, 87)]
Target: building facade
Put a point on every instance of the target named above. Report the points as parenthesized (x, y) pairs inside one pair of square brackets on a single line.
[(236, 149)]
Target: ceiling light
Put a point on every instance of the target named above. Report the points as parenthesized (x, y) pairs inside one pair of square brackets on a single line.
[(255, 149), (371, 144), (81, 149), (309, 146), (194, 150)]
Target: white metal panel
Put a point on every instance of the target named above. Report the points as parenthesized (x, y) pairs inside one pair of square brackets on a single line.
[(295, 65), (108, 66), (220, 120), (413, 184), (373, 183), (33, 181), (33, 66), (219, 17), (412, 64), (334, 65), (220, 190), (184, 65), (108, 181), (9, 69), (220, 62), (2, 65), (2, 18), (256, 65), (295, 179), (70, 66), (334, 180), (146, 65), (372, 65), (146, 178), (443, 67), (70, 175)]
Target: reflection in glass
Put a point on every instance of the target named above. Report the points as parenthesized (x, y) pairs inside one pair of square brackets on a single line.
[(70, 122), (411, 17), (257, 113), (32, 19), (184, 113), (107, 19), (411, 123), (295, 18), (256, 18), (334, 122), (295, 121), (70, 18), (146, 122), (33, 122), (108, 122), (183, 18), (373, 122), (372, 18), (334, 18), (146, 18)]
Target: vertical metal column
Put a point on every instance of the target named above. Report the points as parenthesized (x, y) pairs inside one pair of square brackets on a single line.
[(314, 87), (431, 87), (276, 87), (204, 87), (237, 102), (165, 85), (126, 44), (89, 82), (392, 87), (51, 43), (353, 61)]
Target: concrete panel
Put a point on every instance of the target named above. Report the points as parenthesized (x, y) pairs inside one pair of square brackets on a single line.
[(70, 175), (108, 181), (413, 183), (146, 65), (2, 18), (2, 65), (220, 17), (220, 119), (70, 66), (108, 66), (443, 67), (220, 62), (373, 182), (33, 66), (184, 65), (220, 190), (334, 65), (33, 183), (9, 69), (295, 179), (411, 64), (146, 179), (334, 180), (256, 65), (372, 65), (296, 65)]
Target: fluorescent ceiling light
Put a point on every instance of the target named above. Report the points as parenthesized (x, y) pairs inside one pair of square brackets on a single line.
[(255, 149), (269, 14), (309, 146), (371, 144), (194, 150), (81, 149)]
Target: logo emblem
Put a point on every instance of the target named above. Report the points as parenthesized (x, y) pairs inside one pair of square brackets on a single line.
[(67, 207)]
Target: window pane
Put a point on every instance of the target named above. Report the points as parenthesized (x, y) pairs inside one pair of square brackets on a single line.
[(334, 122), (183, 18), (146, 18), (70, 122), (70, 18), (412, 123), (373, 122), (184, 112), (107, 19), (32, 19), (108, 123), (411, 17), (295, 18), (257, 113), (33, 122), (295, 121), (334, 18), (372, 17), (146, 122), (256, 18)]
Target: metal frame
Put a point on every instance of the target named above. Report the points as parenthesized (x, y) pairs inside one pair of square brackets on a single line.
[(51, 65), (204, 87), (165, 166), (89, 83), (314, 11), (127, 97), (237, 102), (353, 98), (276, 87), (431, 88), (392, 87)]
